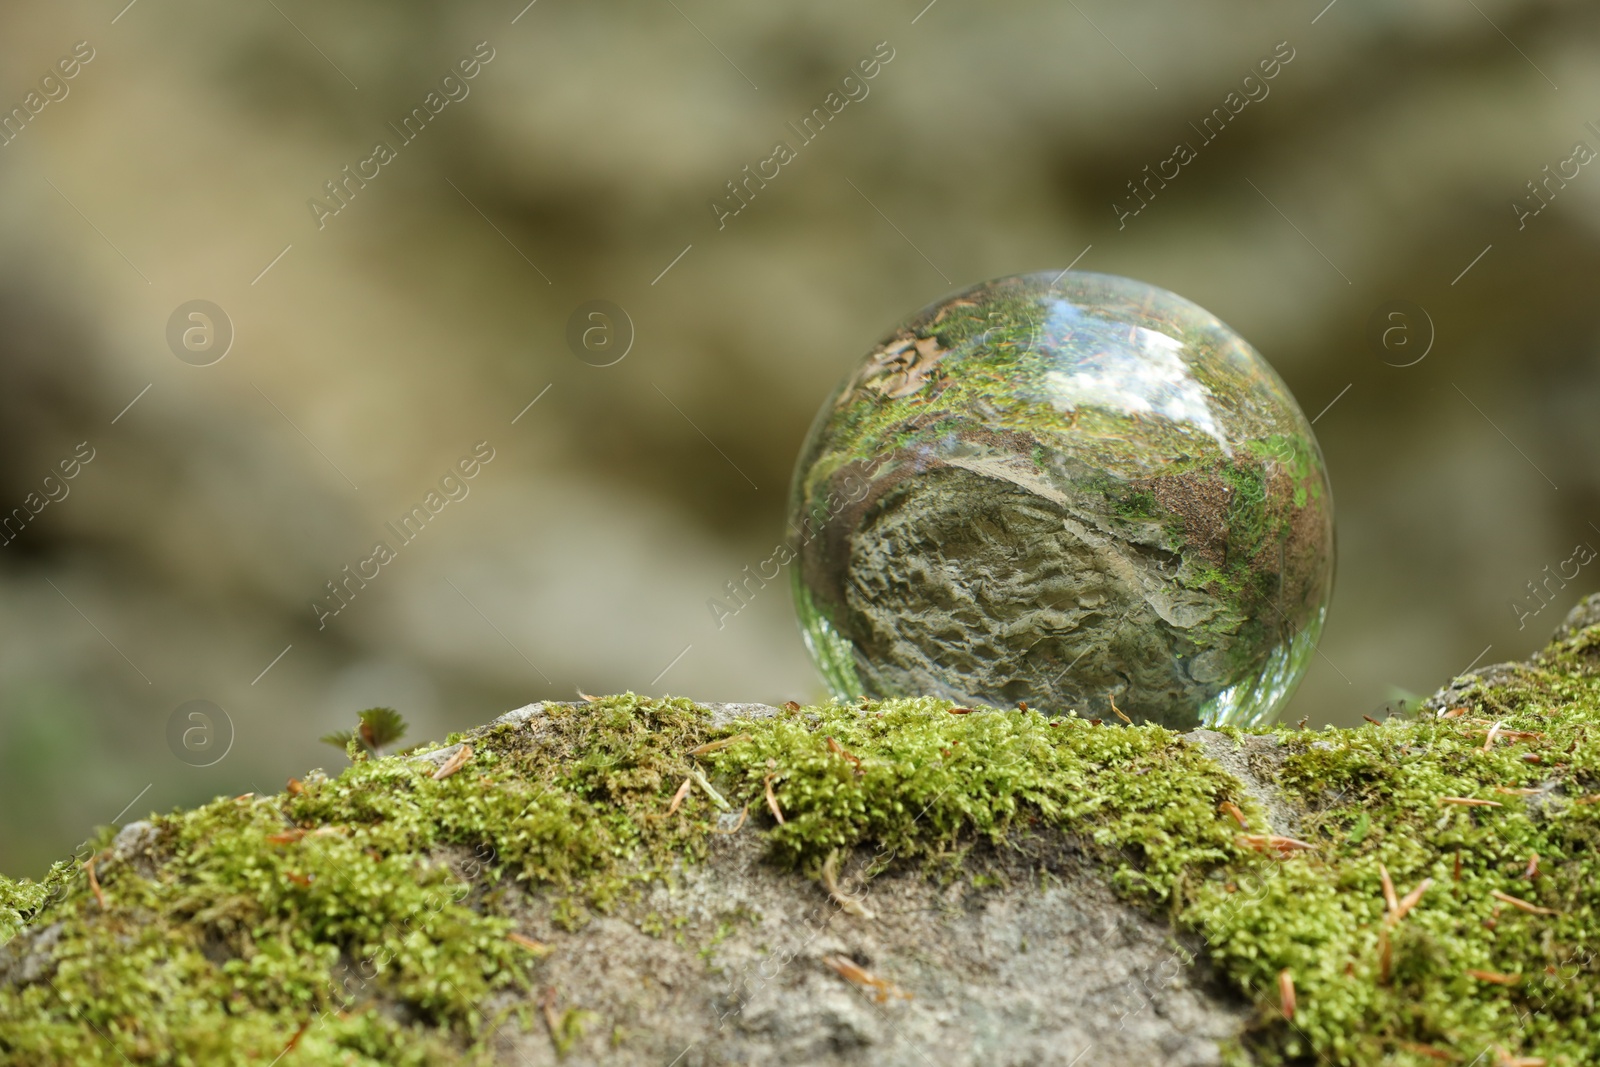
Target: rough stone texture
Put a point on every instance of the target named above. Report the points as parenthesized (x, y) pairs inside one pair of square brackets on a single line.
[(1042, 964), (1026, 958), (1047, 967), (1254, 760), (132, 846), (28, 957), (1584, 614), (948, 577)]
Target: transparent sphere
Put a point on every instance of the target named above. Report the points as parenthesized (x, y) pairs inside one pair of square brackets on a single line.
[(1066, 490)]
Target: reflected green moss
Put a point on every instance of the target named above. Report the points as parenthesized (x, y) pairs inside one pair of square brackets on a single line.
[(1065, 490)]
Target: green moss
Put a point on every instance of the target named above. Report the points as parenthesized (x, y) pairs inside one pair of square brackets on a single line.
[(382, 929), (1249, 520), (336, 907), (16, 900), (1375, 797), (929, 784), (1296, 454)]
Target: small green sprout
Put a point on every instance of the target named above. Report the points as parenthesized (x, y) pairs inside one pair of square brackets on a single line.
[(378, 729)]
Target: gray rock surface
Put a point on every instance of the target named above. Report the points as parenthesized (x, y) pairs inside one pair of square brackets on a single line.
[(1028, 958), (1584, 614), (1034, 962), (1045, 967)]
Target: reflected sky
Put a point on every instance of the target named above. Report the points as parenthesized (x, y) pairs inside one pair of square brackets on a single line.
[(1128, 369)]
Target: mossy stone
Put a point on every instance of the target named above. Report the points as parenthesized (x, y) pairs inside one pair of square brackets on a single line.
[(381, 916)]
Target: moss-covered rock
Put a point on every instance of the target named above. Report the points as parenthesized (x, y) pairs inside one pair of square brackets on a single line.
[(634, 879)]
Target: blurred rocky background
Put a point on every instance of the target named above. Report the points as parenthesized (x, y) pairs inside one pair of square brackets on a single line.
[(372, 352)]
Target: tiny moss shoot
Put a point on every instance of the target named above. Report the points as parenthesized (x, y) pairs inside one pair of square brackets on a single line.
[(342, 918), (376, 729)]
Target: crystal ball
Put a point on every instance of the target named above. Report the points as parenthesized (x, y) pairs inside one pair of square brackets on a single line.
[(1073, 491)]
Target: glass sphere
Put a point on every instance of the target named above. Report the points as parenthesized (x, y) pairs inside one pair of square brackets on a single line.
[(1074, 491)]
